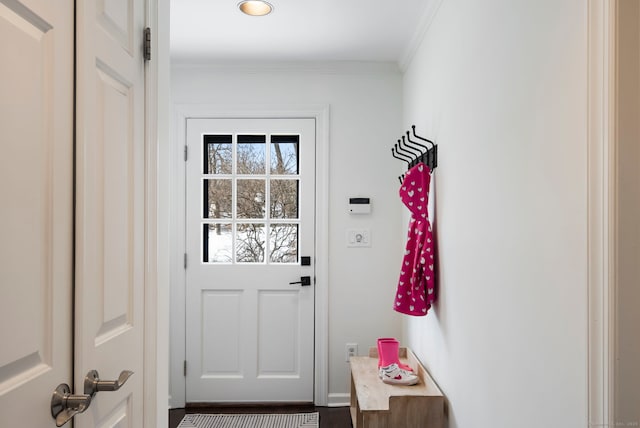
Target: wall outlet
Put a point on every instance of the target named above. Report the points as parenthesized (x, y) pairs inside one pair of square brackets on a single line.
[(351, 350)]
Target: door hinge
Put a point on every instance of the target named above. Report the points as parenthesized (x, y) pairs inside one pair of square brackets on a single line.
[(186, 153), (185, 260), (147, 44), (185, 368)]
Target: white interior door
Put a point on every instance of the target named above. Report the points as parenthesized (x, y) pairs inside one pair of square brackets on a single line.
[(40, 350), (36, 190), (249, 223), (110, 217)]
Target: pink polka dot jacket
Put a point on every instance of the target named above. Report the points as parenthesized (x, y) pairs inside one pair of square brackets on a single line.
[(416, 290)]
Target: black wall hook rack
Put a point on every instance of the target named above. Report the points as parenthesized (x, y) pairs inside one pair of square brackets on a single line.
[(414, 151)]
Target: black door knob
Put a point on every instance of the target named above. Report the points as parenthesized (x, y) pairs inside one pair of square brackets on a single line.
[(304, 280)]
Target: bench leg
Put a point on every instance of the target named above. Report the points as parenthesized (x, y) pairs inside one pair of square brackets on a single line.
[(376, 420)]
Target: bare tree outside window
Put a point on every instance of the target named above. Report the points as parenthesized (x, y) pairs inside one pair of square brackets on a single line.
[(284, 196), (251, 198), (284, 243)]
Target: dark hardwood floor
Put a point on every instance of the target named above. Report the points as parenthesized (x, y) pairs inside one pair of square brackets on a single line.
[(330, 417)]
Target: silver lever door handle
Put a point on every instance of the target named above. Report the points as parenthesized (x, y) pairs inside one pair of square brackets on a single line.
[(65, 406), (93, 384)]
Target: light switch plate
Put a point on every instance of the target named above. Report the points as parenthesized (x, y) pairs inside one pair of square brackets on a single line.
[(358, 237)]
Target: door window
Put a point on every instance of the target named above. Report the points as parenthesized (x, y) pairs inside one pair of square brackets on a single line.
[(251, 194)]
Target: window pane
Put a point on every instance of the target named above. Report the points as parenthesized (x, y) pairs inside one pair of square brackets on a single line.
[(284, 154), (251, 199), (250, 243), (217, 198), (218, 156), (284, 199), (251, 154), (217, 243), (283, 240)]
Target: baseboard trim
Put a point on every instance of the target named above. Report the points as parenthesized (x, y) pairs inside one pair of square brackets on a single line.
[(339, 400)]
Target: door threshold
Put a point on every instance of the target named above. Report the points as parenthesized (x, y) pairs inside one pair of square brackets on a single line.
[(244, 405)]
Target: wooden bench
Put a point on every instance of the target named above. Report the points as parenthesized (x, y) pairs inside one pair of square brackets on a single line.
[(375, 404)]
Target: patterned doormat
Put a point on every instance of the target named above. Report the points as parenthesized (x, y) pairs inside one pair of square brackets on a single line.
[(291, 420)]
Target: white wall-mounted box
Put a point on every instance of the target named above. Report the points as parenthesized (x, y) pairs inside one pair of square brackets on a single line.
[(359, 206)]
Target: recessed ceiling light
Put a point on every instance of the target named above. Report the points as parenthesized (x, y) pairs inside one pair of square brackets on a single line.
[(255, 7)]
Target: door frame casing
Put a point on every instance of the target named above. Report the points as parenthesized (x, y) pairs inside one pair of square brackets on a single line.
[(183, 112), (157, 204), (602, 216)]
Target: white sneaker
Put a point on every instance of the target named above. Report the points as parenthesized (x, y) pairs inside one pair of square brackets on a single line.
[(381, 370), (394, 375)]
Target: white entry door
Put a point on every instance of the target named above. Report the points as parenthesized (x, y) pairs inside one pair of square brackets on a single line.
[(36, 208), (45, 339), (250, 260), (110, 207)]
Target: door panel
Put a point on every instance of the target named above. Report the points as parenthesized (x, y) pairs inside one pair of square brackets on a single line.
[(36, 128), (278, 333), (110, 207), (221, 349), (250, 219)]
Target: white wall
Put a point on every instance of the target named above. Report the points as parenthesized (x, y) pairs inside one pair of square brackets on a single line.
[(365, 120), (501, 86)]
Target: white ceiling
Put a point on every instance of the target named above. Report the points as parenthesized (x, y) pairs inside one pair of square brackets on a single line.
[(298, 30)]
